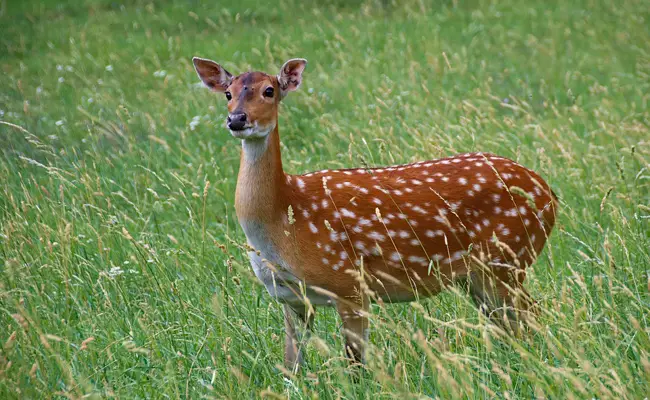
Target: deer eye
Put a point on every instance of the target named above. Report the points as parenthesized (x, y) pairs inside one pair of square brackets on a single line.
[(228, 96), (268, 92)]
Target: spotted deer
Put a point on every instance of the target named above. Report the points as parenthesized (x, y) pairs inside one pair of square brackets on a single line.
[(347, 237)]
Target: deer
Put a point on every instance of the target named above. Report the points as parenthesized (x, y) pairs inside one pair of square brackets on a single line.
[(350, 237)]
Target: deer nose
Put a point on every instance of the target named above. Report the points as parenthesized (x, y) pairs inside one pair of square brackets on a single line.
[(237, 121)]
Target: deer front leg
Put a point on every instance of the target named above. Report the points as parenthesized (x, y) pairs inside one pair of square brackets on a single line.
[(354, 315), (296, 322)]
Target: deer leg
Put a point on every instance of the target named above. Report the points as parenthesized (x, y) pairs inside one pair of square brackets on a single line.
[(296, 322), (501, 296), (354, 315)]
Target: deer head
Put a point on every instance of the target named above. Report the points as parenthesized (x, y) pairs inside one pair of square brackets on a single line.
[(253, 97)]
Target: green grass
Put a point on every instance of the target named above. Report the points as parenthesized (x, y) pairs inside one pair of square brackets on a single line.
[(122, 270)]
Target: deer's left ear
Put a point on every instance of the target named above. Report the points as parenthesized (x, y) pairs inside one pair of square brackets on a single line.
[(290, 75)]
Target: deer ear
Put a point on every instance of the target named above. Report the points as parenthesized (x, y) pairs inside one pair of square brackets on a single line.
[(290, 75), (212, 74)]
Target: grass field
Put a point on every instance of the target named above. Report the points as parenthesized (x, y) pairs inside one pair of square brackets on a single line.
[(123, 273)]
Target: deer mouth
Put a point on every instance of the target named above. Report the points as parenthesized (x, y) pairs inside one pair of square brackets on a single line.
[(250, 131), (242, 133)]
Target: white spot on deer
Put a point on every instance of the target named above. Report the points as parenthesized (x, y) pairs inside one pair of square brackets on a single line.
[(437, 257), (336, 215), (532, 237), (325, 261), (404, 234), (462, 180), (343, 255), (430, 233), (413, 222), (420, 210), (414, 242), (357, 229), (374, 235), (445, 179), (313, 228), (486, 222), (517, 238), (336, 267), (476, 187), (408, 190), (347, 213), (339, 186), (347, 172), (455, 160), (505, 231), (523, 210), (376, 201), (497, 210), (481, 179), (457, 255), (395, 257), (440, 219), (301, 184), (470, 193), (445, 162), (398, 192), (496, 197), (324, 203), (314, 206), (416, 259), (429, 180), (305, 213), (364, 222), (319, 245), (416, 182), (328, 247)]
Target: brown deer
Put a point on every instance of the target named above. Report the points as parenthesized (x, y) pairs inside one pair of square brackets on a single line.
[(348, 237)]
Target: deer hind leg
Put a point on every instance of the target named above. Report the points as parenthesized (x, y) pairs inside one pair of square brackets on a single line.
[(499, 293), (298, 324), (354, 315)]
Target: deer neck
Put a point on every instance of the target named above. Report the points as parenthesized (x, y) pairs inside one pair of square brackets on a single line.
[(261, 181)]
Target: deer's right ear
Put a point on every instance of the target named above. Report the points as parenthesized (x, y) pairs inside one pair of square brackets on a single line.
[(212, 74)]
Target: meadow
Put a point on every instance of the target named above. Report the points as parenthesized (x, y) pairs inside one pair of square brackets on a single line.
[(123, 271)]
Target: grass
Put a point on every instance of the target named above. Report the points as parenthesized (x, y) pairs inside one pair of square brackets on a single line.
[(122, 270)]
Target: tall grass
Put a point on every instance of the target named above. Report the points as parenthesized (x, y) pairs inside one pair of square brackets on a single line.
[(123, 273)]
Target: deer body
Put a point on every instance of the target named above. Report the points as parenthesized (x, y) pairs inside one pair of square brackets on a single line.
[(346, 237)]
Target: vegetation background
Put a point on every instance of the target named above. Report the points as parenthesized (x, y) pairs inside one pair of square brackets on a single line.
[(122, 270)]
